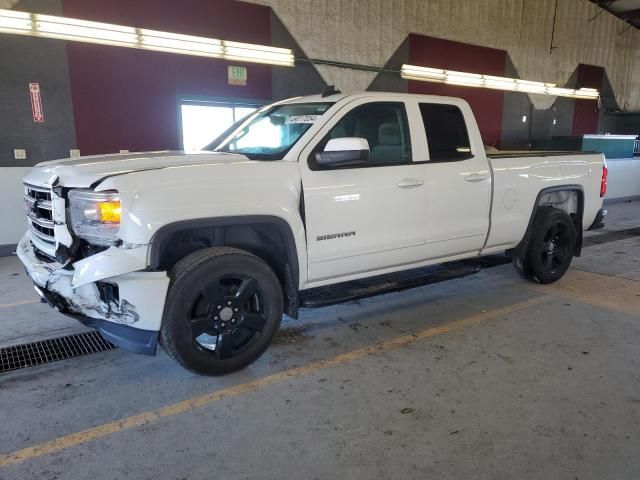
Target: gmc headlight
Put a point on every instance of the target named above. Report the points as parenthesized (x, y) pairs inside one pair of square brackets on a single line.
[(95, 216)]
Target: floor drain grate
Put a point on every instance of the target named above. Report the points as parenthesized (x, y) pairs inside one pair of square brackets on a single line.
[(47, 351)]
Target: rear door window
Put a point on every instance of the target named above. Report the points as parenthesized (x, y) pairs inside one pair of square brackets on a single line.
[(446, 132)]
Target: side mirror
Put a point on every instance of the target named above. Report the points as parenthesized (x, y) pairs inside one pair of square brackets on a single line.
[(342, 152)]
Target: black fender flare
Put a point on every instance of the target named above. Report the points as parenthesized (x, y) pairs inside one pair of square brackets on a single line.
[(291, 267), (521, 248)]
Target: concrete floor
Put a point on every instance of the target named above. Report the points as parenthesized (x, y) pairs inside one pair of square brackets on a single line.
[(483, 377)]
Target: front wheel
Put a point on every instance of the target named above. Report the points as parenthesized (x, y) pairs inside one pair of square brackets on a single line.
[(223, 308), (550, 249)]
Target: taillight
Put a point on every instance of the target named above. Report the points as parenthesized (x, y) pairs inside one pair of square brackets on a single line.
[(603, 183)]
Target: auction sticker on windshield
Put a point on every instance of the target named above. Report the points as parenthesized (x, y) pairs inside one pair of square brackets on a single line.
[(303, 118)]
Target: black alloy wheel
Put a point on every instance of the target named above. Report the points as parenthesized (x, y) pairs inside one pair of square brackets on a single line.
[(226, 317), (223, 307), (550, 246), (555, 251)]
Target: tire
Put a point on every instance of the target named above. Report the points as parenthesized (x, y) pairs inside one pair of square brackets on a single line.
[(223, 308), (550, 246)]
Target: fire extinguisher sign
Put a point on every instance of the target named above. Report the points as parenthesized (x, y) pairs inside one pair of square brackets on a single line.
[(36, 102)]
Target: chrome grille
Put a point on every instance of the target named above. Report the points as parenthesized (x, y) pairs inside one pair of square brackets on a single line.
[(38, 207)]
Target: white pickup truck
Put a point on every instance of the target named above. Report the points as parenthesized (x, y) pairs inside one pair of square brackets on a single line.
[(205, 252)]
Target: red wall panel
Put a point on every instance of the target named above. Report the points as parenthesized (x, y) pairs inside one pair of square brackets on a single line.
[(128, 99), (446, 54), (586, 112)]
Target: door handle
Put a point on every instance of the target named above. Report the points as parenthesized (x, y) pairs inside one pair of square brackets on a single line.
[(475, 177), (410, 183)]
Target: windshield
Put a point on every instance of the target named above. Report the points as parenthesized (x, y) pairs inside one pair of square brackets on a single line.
[(273, 132)]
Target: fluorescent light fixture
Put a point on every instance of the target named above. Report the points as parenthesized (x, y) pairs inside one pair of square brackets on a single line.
[(63, 28), (463, 74), (412, 72), (246, 52), (500, 83), (15, 22), (177, 43), (530, 83), (83, 31), (464, 81), (428, 74)]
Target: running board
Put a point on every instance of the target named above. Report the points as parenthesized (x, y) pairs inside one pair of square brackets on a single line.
[(394, 282)]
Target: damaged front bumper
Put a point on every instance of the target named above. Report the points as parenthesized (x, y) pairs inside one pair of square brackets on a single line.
[(107, 291)]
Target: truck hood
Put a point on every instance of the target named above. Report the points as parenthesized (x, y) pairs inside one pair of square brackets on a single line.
[(86, 171)]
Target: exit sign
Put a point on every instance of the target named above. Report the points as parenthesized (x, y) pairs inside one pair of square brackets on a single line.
[(237, 75)]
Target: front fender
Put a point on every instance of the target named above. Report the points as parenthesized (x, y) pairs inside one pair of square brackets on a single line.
[(155, 199)]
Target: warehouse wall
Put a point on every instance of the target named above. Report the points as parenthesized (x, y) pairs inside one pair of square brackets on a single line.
[(304, 79), (370, 32), (127, 99), (24, 60), (620, 123), (524, 126), (438, 53), (506, 119), (586, 112), (102, 99), (13, 220), (388, 79), (612, 120)]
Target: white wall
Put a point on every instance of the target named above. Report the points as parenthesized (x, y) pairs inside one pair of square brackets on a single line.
[(12, 219), (369, 32), (624, 178)]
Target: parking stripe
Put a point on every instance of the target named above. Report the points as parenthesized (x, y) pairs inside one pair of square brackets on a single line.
[(604, 291), (61, 443), (17, 304)]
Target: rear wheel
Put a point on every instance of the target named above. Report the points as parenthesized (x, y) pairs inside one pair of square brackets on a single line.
[(223, 307), (550, 247)]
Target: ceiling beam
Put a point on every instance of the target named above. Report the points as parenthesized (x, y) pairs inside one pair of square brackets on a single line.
[(630, 15)]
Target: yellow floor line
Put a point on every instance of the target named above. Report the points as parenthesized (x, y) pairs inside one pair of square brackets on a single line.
[(17, 304), (604, 291), (67, 441)]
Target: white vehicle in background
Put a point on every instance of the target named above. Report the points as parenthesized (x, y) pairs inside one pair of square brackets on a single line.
[(206, 251)]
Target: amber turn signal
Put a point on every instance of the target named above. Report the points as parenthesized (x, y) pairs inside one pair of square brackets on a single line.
[(109, 211)]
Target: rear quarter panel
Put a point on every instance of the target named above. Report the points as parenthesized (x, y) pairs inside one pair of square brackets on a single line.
[(519, 180)]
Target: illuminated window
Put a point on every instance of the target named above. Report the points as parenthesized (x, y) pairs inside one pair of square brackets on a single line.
[(202, 122)]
